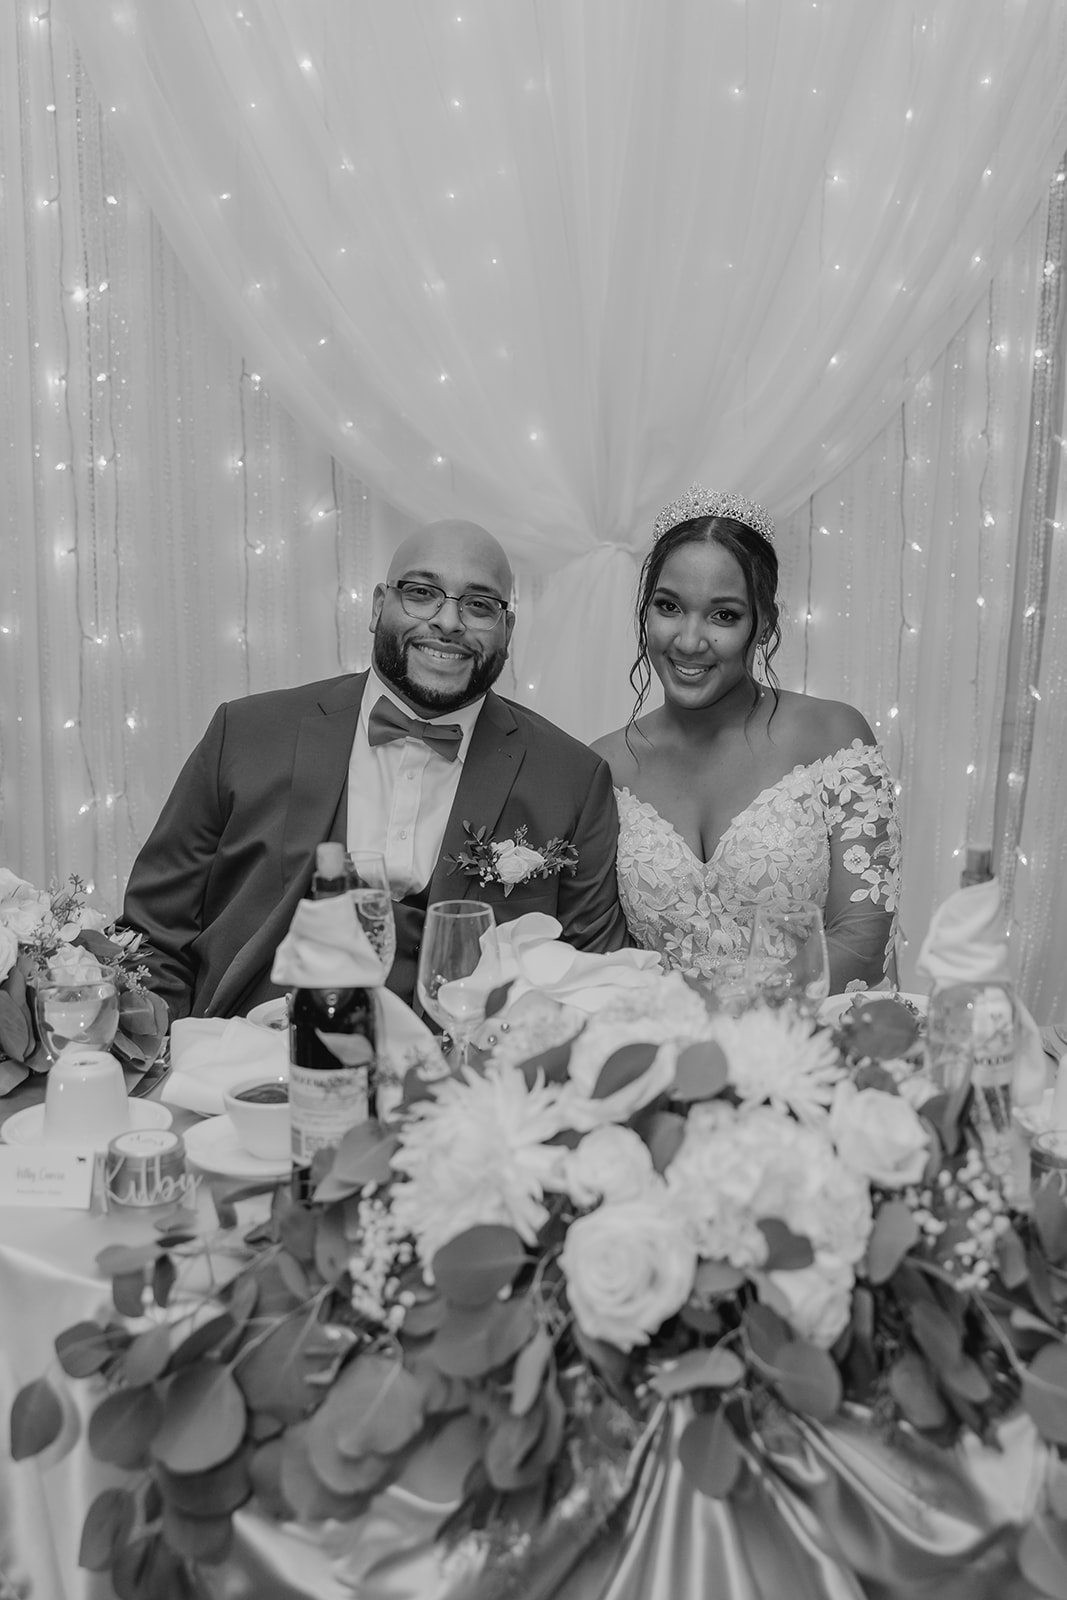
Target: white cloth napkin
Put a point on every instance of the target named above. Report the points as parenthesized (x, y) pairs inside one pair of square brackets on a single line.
[(533, 958), (326, 948), (211, 1054), (967, 942)]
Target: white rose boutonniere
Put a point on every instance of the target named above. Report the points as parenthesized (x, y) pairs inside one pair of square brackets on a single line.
[(511, 861)]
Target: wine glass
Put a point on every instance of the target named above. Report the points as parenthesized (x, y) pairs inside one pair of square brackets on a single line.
[(458, 968), (369, 888), (74, 1010), (787, 954)]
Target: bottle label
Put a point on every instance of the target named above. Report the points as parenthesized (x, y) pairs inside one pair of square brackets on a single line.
[(324, 1105)]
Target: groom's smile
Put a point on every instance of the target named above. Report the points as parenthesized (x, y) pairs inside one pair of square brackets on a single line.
[(441, 623)]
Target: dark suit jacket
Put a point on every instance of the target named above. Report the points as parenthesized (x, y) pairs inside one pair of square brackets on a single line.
[(215, 886)]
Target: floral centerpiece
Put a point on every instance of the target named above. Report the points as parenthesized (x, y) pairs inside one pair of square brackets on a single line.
[(59, 932), (656, 1253)]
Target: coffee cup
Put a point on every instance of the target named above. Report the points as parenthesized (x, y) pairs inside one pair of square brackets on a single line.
[(259, 1110), (85, 1102)]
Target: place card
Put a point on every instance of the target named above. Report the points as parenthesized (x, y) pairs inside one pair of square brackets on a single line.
[(31, 1175)]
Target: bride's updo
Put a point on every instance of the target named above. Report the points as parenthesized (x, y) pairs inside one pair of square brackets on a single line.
[(740, 527)]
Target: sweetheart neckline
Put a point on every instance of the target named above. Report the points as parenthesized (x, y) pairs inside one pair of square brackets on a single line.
[(801, 766)]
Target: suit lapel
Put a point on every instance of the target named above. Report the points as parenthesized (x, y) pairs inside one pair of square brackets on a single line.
[(494, 758), (317, 810)]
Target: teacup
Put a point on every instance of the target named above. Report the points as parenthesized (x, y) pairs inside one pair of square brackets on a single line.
[(85, 1102), (259, 1110)]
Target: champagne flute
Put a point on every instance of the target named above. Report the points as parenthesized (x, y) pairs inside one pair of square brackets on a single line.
[(74, 1010), (369, 889), (787, 954), (458, 968)]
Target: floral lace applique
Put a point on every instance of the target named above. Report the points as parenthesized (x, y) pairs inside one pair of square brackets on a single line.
[(779, 849)]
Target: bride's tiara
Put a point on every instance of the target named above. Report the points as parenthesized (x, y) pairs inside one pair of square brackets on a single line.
[(698, 502)]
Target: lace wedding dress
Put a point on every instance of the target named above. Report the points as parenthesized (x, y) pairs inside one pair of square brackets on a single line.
[(826, 832)]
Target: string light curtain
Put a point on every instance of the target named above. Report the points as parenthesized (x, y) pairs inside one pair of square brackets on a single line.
[(219, 548), (545, 263)]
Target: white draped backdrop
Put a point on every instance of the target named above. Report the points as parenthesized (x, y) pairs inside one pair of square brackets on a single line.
[(281, 277)]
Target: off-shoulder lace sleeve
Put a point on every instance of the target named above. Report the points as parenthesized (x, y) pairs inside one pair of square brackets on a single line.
[(860, 809)]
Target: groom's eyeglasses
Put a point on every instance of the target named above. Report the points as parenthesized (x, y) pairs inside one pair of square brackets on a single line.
[(424, 600)]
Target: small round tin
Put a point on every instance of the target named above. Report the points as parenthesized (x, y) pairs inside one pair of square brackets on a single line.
[(146, 1169)]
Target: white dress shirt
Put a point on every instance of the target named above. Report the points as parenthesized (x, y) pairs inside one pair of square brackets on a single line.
[(400, 794)]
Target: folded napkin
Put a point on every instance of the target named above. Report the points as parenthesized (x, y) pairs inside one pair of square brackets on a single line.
[(967, 942), (326, 948), (210, 1054), (533, 958)]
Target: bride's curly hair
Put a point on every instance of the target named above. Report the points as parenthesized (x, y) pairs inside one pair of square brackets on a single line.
[(756, 557)]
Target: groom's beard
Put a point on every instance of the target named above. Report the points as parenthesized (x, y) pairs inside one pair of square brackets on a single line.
[(391, 663)]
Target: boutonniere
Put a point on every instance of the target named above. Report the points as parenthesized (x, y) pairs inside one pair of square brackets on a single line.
[(511, 861)]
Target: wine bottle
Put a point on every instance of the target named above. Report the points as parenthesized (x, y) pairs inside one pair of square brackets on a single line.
[(332, 1049)]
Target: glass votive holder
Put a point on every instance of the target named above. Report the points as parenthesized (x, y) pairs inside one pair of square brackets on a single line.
[(1048, 1158)]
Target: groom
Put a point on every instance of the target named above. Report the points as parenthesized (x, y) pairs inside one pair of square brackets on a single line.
[(396, 760)]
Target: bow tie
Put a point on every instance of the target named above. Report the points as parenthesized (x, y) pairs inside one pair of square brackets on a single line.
[(388, 722)]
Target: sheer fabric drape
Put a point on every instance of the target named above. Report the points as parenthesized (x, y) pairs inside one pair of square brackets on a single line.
[(543, 264), (172, 536)]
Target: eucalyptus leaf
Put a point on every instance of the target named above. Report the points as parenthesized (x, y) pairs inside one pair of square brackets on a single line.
[(208, 1336), (116, 1260), (332, 1247), (913, 1387), (376, 1406), (207, 1539), (663, 1134), (623, 1067), (808, 1379), (123, 1426), (301, 1489), (1044, 1392), (786, 1251), (894, 1233), (715, 1279), (710, 1454), (498, 998), (36, 1419), (164, 1277), (699, 1369), (511, 1458), (550, 1065), (1050, 1219), (364, 1155), (84, 1349), (265, 1471), (127, 1293), (214, 1492), (472, 1268), (968, 1381), (1043, 1556), (148, 1569), (460, 1347), (297, 1228), (203, 1419), (531, 1365), (147, 1356), (701, 1071), (937, 1335), (512, 1324), (108, 1524)]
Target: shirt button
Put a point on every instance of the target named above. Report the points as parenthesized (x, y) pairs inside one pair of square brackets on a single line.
[(403, 833)]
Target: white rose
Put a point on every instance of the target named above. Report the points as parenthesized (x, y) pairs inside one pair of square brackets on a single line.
[(85, 918), (23, 909), (516, 862), (816, 1301), (611, 1163), (71, 964), (9, 949), (879, 1136), (629, 1267)]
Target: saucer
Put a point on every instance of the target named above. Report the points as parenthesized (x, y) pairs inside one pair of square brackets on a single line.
[(272, 1014), (213, 1146), (834, 1007), (27, 1127)]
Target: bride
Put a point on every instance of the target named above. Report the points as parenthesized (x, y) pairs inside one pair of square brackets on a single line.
[(735, 793)]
